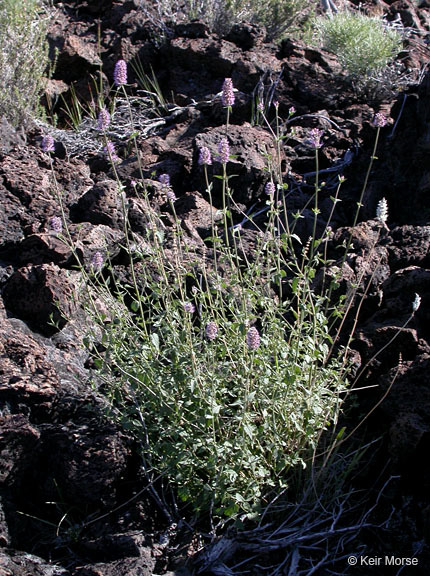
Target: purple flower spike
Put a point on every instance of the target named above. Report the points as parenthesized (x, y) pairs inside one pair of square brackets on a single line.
[(120, 73), (170, 195), (110, 152), (314, 140), (379, 120), (164, 179), (227, 97), (223, 151), (253, 338), (189, 307), (97, 261), (211, 330), (205, 158), (270, 188), (56, 224), (103, 119), (48, 144)]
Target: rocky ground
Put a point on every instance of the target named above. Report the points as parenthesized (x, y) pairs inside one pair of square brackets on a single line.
[(72, 496)]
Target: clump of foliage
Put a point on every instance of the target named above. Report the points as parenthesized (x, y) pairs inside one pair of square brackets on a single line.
[(277, 16), (220, 361), (226, 386), (223, 362), (23, 57), (364, 45)]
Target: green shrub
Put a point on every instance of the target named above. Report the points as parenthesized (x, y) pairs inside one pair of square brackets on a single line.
[(223, 422), (364, 45), (23, 57), (277, 16), (220, 361)]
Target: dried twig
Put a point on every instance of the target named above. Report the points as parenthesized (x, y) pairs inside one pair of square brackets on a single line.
[(311, 538)]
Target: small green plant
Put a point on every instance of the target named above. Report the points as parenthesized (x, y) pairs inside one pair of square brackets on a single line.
[(23, 58), (364, 45), (150, 86), (277, 16)]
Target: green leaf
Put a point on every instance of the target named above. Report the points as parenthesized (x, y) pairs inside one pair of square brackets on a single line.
[(249, 429), (98, 363), (155, 341)]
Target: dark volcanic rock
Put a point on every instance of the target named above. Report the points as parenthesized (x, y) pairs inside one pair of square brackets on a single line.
[(248, 147), (404, 173), (142, 566), (25, 179), (86, 460), (409, 246), (27, 378), (29, 194), (14, 563), (44, 249), (4, 531), (400, 289), (389, 341), (18, 439), (25, 196), (41, 294), (411, 14), (9, 137), (99, 205), (192, 30), (117, 546), (312, 77), (198, 66), (409, 433), (53, 436), (12, 216), (198, 213), (367, 258), (246, 36), (394, 324), (77, 54)]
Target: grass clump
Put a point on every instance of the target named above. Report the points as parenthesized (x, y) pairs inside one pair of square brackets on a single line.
[(364, 45), (23, 57), (277, 16)]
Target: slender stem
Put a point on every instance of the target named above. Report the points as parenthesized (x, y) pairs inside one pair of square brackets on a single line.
[(363, 190), (224, 203), (227, 120), (316, 210), (139, 163), (366, 180)]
